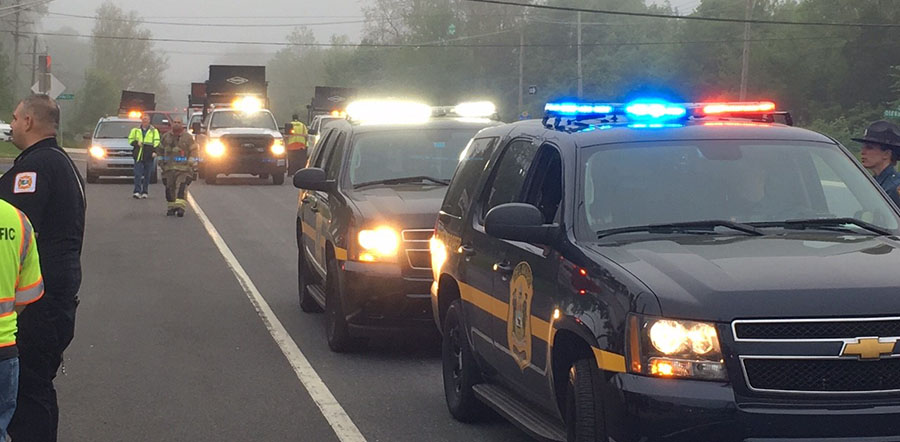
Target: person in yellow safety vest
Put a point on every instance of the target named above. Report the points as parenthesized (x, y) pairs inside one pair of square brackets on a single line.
[(296, 145), (20, 284), (144, 141)]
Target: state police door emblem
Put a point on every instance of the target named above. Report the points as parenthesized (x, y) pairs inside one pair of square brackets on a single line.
[(518, 321)]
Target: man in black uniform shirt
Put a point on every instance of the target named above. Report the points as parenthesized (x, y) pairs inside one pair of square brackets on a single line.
[(45, 184)]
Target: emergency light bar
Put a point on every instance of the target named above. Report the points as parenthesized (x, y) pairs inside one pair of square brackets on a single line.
[(653, 110), (134, 114), (388, 112), (468, 109)]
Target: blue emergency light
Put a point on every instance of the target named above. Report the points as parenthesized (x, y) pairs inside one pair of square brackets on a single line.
[(651, 112)]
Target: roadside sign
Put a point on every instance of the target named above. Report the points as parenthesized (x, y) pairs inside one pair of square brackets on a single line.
[(56, 87), (66, 97), (892, 113), (532, 90)]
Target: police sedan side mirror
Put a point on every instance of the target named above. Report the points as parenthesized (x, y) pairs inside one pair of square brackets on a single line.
[(312, 178), (312, 132), (519, 222), (196, 128)]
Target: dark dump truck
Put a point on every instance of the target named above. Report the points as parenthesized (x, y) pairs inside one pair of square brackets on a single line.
[(328, 99), (237, 134)]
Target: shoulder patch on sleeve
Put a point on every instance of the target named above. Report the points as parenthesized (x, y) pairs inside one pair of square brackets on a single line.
[(25, 182)]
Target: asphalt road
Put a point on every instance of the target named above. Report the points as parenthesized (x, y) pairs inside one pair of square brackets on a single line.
[(169, 347)]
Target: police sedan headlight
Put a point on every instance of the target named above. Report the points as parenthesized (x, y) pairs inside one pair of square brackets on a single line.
[(671, 348), (97, 152), (278, 147), (379, 244), (215, 148)]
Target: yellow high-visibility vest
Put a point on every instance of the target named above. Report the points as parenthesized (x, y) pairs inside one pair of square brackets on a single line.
[(148, 141), (297, 138), (20, 269)]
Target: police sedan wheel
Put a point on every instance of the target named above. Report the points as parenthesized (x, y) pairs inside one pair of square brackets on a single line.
[(585, 420), (460, 372)]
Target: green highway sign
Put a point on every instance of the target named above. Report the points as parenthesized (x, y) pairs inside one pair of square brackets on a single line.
[(66, 97), (895, 113)]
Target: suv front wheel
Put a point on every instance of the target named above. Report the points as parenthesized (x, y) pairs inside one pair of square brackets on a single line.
[(336, 329), (459, 369), (585, 420)]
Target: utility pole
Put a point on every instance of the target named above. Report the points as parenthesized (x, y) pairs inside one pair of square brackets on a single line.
[(15, 60), (521, 62), (34, 61), (580, 78), (745, 57)]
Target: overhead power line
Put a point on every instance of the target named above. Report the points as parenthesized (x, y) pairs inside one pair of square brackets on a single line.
[(213, 25), (417, 45), (687, 17)]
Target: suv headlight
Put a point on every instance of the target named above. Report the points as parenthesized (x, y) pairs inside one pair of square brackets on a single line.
[(378, 245), (672, 348), (97, 152)]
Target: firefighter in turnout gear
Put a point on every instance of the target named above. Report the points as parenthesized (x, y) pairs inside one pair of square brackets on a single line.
[(178, 153)]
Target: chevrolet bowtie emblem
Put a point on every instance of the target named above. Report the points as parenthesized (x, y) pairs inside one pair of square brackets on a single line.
[(869, 348)]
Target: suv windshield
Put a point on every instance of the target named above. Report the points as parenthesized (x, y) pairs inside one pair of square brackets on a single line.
[(386, 155), (228, 119), (755, 182), (115, 129)]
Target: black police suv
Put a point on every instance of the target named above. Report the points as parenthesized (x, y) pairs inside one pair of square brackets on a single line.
[(652, 271), (366, 213)]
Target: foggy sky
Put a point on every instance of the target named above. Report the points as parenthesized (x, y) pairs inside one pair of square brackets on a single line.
[(189, 61)]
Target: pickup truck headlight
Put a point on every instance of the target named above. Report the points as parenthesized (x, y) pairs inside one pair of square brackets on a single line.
[(378, 245), (215, 148), (97, 152), (278, 147), (672, 348)]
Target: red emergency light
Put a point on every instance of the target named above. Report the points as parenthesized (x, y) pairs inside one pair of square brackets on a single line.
[(737, 107)]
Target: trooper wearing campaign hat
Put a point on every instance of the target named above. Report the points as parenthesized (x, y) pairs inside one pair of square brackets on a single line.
[(880, 151)]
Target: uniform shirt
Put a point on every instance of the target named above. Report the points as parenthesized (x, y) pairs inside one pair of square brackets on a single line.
[(889, 180), (45, 184), (20, 274)]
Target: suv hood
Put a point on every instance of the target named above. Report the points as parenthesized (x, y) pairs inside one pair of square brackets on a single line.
[(405, 206), (718, 278), (112, 143), (215, 133)]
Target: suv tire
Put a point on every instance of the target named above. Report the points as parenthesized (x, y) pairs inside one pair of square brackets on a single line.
[(307, 303), (336, 329), (459, 369), (584, 416)]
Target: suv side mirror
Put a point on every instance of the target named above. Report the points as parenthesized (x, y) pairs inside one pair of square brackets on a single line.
[(86, 137), (312, 131), (519, 222), (196, 128), (288, 128), (312, 178)]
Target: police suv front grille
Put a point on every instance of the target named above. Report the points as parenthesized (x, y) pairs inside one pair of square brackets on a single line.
[(818, 329), (823, 375), (248, 144), (118, 154), (418, 253)]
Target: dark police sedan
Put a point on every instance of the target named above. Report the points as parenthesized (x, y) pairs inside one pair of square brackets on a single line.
[(656, 271), (370, 198)]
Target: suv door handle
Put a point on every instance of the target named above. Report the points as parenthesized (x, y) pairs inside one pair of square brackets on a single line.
[(466, 250), (504, 268), (314, 208)]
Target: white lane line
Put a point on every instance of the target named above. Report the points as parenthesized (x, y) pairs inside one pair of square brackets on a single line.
[(340, 422)]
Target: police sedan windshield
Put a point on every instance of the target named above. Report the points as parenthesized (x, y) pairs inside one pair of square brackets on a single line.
[(757, 183), (116, 129), (231, 119), (425, 155)]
